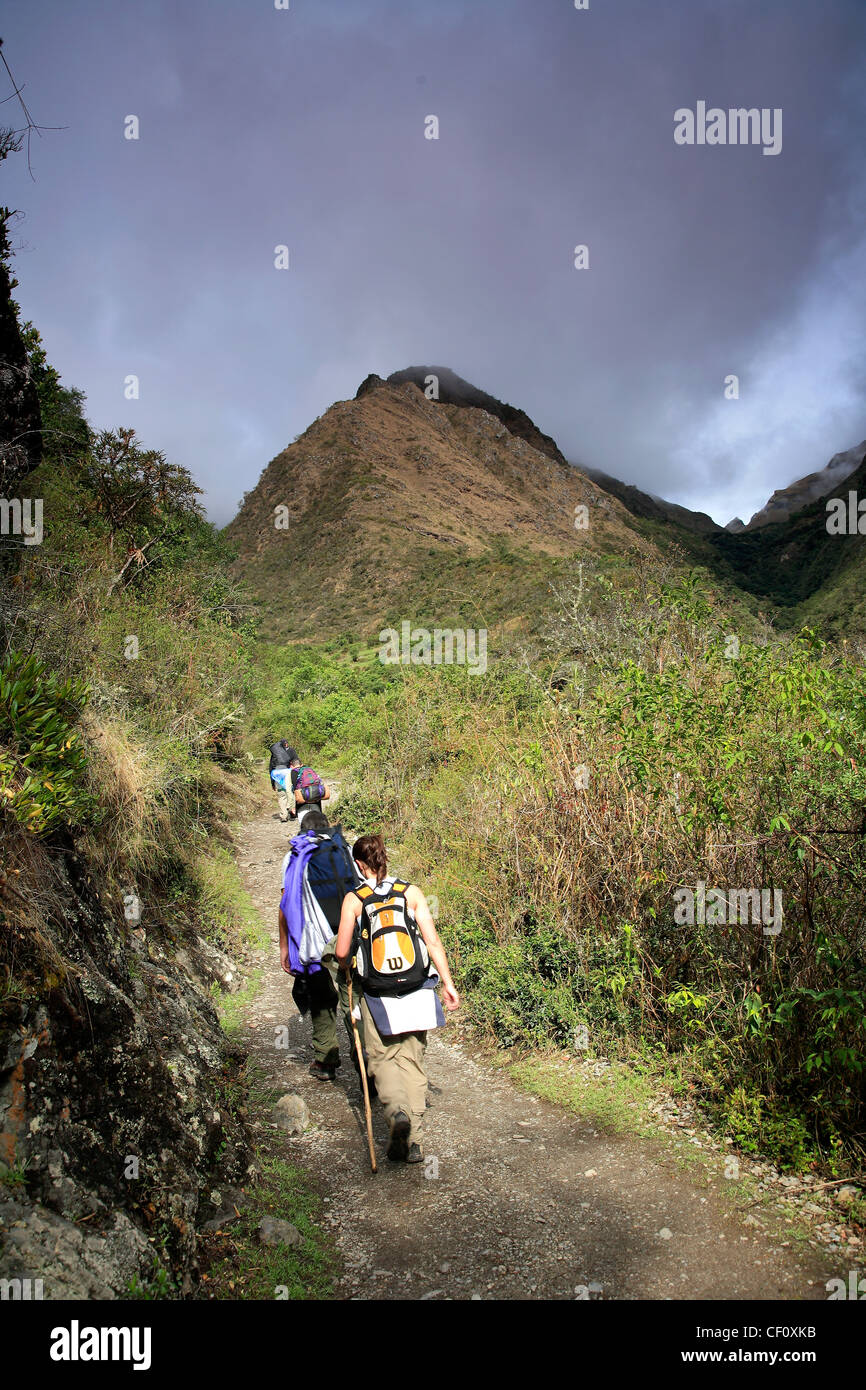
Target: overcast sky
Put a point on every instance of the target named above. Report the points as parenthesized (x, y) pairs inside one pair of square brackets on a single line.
[(306, 127)]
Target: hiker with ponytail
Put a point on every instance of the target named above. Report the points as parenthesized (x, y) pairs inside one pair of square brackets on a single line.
[(370, 850), (388, 936)]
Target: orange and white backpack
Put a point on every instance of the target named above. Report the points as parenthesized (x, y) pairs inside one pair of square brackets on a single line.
[(391, 955)]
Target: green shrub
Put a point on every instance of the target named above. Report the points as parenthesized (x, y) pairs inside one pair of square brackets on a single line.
[(43, 765)]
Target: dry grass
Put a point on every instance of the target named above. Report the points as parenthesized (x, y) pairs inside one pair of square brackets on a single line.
[(128, 778)]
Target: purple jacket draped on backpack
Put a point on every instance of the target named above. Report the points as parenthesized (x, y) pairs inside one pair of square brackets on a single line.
[(291, 903)]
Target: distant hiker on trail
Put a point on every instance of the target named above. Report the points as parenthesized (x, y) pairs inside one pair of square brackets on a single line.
[(308, 790), (387, 926), (317, 873), (283, 758)]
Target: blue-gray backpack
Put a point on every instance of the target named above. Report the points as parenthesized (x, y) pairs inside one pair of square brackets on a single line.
[(331, 873)]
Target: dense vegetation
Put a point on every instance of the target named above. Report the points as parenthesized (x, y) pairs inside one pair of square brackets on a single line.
[(794, 570), (556, 805), (125, 659)]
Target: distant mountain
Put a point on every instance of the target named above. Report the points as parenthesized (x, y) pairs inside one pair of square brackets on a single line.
[(457, 510), (454, 390), (645, 504), (785, 558), (786, 501), (397, 506), (809, 575)]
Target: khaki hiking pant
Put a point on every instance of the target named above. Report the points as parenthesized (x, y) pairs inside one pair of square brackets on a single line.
[(283, 801), (397, 1066)]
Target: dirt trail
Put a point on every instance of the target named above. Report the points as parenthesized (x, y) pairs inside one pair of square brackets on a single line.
[(518, 1198)]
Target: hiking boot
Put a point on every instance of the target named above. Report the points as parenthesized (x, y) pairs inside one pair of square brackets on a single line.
[(401, 1128), (322, 1072), (414, 1155)]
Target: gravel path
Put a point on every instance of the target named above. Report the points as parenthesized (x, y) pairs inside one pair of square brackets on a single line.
[(517, 1198)]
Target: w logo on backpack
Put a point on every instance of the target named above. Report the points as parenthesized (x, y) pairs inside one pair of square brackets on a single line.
[(391, 956), (391, 948)]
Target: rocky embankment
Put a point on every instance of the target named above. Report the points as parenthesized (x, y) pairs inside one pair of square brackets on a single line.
[(119, 1112)]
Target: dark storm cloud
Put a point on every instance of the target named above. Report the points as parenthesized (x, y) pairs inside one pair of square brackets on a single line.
[(306, 127)]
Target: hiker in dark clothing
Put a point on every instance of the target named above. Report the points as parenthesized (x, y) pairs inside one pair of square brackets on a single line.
[(329, 872), (283, 758)]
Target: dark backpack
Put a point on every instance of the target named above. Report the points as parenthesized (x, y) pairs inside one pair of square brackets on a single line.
[(331, 874), (309, 784), (390, 953), (279, 757)]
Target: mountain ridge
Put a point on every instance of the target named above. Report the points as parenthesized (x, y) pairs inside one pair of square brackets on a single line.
[(455, 390), (787, 501), (403, 501), (425, 490)]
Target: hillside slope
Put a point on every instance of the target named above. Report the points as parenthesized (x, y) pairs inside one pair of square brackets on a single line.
[(402, 507), (119, 1109), (807, 573), (645, 504)]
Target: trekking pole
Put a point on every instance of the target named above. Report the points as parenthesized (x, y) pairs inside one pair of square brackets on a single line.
[(363, 1070)]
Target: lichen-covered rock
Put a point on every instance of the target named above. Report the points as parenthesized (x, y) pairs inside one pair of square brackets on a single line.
[(847, 1195), (118, 1107), (70, 1261), (228, 1203)]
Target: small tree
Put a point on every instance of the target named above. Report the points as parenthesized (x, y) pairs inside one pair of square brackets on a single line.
[(141, 497), (20, 422), (65, 431)]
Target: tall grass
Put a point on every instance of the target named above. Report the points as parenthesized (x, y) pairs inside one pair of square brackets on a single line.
[(122, 707)]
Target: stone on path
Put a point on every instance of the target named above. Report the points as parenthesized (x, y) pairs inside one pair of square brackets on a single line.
[(290, 1113), (273, 1231)]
